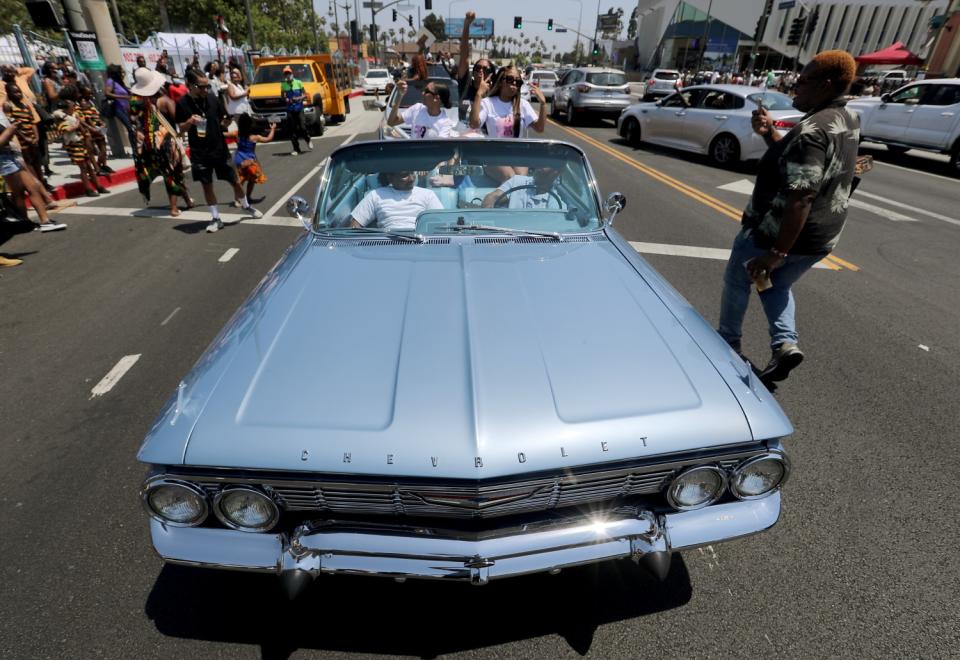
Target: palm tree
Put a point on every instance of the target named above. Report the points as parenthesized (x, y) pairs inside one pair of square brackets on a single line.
[(403, 33)]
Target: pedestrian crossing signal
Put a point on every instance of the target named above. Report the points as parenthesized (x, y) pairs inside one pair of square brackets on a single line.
[(518, 22)]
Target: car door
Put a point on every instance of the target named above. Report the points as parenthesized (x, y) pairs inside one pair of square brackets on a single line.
[(889, 121), (665, 120), (563, 89), (710, 110), (934, 117)]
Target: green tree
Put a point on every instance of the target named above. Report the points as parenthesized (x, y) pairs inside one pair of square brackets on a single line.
[(435, 25)]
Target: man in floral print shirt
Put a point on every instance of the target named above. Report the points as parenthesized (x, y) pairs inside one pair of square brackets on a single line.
[(797, 209)]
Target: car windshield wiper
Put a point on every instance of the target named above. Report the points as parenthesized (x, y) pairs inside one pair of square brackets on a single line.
[(506, 230), (415, 238)]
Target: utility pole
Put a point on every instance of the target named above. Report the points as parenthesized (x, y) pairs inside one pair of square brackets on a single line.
[(706, 37), (251, 37)]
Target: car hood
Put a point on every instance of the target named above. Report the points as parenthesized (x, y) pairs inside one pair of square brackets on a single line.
[(457, 361)]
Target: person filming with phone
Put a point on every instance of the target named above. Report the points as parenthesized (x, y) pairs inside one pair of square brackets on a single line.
[(797, 209)]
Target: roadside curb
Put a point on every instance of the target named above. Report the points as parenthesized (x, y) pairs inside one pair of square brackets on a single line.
[(76, 188), (355, 93)]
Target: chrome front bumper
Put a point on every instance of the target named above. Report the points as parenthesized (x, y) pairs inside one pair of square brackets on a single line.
[(424, 553)]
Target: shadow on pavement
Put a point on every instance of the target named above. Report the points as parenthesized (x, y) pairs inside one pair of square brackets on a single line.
[(914, 160), (426, 619), (192, 227), (746, 167)]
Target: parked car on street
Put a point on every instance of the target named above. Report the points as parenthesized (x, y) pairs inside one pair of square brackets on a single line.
[(547, 80), (922, 115), (590, 92), (375, 81), (708, 119), (494, 385), (662, 82)]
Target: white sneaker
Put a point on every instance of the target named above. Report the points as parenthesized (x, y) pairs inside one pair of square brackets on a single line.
[(236, 204), (52, 226), (309, 145), (254, 213), (215, 225)]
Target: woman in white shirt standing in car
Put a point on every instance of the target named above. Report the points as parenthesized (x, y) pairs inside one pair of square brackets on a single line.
[(505, 114), (425, 119)]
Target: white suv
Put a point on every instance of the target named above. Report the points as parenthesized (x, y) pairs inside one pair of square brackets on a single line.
[(922, 115), (662, 82)]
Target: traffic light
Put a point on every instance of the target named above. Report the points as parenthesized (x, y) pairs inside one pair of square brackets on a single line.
[(410, 21), (394, 15), (596, 49), (354, 32), (518, 22), (428, 4), (796, 31), (549, 24)]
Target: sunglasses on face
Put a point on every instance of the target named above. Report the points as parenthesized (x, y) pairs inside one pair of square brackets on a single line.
[(199, 86), (511, 80), (430, 92)]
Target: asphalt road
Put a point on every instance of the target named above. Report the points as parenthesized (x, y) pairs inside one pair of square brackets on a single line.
[(862, 562)]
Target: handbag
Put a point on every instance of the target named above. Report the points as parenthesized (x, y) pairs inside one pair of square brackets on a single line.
[(107, 108)]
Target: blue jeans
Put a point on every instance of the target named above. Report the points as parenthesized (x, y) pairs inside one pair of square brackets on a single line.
[(778, 303)]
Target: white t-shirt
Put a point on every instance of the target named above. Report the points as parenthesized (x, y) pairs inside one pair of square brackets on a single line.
[(527, 198), (395, 209), (497, 115), (423, 124), (240, 106)]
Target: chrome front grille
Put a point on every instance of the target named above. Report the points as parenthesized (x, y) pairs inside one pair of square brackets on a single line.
[(473, 499)]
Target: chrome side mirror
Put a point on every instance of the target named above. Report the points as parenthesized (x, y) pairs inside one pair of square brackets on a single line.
[(299, 208), (615, 203)]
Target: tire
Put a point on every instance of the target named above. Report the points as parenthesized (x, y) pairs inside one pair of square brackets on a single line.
[(955, 160), (648, 97), (631, 132), (725, 150), (346, 106), (317, 128), (896, 149), (554, 110), (571, 118)]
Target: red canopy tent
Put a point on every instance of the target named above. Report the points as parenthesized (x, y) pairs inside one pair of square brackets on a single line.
[(895, 54)]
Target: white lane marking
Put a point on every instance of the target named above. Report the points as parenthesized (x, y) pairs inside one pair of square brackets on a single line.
[(114, 375), (228, 255), (172, 314), (923, 348), (879, 210), (745, 187), (720, 254), (151, 213), (901, 205)]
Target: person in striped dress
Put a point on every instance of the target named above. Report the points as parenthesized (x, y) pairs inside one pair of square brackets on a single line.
[(71, 128), (97, 142)]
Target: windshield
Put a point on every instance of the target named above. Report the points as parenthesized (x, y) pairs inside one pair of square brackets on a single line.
[(772, 100), (606, 79), (428, 187), (377, 73), (273, 73), (546, 75), (666, 75)]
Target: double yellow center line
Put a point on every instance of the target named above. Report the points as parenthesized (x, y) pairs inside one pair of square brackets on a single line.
[(832, 262)]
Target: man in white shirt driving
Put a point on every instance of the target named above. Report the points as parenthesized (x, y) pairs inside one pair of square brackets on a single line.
[(529, 192), (394, 206)]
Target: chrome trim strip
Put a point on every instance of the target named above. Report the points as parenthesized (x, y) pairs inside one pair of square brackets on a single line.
[(404, 552)]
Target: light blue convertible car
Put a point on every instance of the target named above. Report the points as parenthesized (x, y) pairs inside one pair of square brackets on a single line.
[(450, 378)]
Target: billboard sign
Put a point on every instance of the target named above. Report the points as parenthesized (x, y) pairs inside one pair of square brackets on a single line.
[(481, 28)]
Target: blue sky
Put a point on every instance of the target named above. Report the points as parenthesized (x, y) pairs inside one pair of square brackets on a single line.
[(565, 12)]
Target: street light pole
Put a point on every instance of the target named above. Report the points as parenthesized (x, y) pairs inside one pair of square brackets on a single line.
[(250, 35)]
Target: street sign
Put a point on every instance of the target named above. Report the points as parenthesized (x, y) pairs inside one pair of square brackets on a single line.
[(787, 4), (608, 22), (373, 5), (560, 30), (481, 28)]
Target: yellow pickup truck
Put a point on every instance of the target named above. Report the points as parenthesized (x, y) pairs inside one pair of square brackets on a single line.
[(325, 79)]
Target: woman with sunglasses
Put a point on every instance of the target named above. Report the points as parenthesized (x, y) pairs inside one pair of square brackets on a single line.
[(500, 110), (425, 119)]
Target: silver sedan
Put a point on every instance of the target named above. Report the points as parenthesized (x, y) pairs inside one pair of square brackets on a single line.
[(708, 119)]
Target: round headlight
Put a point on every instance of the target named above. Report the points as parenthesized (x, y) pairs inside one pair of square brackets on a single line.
[(176, 503), (696, 488), (246, 508), (758, 476)]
